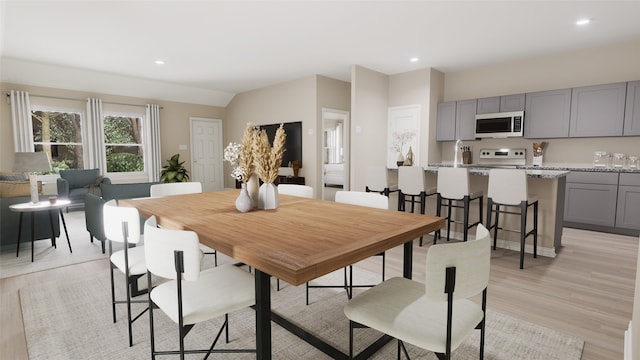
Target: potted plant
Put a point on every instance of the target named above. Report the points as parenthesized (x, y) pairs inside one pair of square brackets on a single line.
[(174, 172)]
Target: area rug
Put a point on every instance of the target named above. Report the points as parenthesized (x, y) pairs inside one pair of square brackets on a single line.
[(72, 320), (46, 256)]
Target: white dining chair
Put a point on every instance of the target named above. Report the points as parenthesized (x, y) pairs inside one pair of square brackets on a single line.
[(191, 296), (177, 188), (360, 198), (122, 225), (424, 314), (305, 191), (181, 188)]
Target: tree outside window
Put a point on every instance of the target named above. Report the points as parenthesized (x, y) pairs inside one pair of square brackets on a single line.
[(123, 143), (59, 134)]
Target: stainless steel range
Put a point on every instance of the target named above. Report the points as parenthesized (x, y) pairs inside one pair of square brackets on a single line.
[(502, 157)]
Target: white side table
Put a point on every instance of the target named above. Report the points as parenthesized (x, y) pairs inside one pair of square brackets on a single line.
[(40, 206)]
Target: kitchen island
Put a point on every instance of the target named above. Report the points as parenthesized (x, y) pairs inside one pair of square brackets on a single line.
[(547, 185)]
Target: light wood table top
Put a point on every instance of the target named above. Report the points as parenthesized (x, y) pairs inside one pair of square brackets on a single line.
[(299, 241)]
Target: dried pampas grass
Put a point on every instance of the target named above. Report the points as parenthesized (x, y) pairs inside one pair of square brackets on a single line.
[(247, 163), (268, 159)]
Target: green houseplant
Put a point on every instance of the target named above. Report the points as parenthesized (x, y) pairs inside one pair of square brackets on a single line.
[(174, 172)]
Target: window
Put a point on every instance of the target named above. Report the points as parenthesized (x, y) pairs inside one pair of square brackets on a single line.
[(59, 133), (123, 143)]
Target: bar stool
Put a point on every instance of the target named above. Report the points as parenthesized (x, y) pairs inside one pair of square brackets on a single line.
[(453, 186), (508, 187), (412, 182), (377, 180)]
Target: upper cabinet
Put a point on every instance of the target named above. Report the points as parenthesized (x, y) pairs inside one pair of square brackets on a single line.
[(547, 114), (632, 112), (501, 104), (488, 105), (466, 119), (598, 110), (446, 121), (456, 120), (514, 102)]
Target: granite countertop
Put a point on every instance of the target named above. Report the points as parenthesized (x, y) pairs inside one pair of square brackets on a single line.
[(580, 167), (484, 171)]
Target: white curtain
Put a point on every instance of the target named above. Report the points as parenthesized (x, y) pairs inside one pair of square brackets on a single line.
[(95, 136), (22, 126), (153, 159)]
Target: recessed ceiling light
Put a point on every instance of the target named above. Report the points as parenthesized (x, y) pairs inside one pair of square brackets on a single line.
[(583, 22), (414, 59), (159, 62)]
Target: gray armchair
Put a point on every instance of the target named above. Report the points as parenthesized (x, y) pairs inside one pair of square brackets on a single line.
[(74, 184)]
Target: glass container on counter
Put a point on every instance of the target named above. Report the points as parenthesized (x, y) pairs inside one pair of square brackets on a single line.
[(634, 162), (601, 159), (619, 160)]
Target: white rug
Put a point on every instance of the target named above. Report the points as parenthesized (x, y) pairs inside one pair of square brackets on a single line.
[(65, 320), (46, 256)]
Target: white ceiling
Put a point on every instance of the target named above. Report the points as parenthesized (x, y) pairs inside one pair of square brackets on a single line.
[(225, 47)]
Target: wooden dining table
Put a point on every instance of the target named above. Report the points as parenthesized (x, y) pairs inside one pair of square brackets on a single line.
[(299, 241)]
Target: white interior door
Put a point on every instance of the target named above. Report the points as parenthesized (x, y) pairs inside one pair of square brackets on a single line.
[(206, 153)]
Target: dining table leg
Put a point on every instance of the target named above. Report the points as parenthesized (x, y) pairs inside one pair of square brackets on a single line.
[(263, 315), (407, 266)]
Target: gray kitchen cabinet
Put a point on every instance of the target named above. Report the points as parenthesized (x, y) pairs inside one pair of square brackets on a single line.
[(547, 114), (515, 102), (446, 121), (504, 103), (628, 212), (632, 111), (598, 110), (466, 119), (488, 105), (590, 199)]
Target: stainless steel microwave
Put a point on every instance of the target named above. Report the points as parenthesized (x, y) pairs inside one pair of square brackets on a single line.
[(500, 125)]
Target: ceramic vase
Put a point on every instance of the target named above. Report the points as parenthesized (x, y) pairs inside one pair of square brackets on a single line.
[(252, 187), (243, 202), (399, 159), (268, 196)]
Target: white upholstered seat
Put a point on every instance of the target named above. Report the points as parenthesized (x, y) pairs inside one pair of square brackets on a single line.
[(377, 180), (454, 186), (181, 188), (122, 225), (296, 190), (417, 313), (359, 198), (176, 188), (215, 292), (412, 182), (508, 189)]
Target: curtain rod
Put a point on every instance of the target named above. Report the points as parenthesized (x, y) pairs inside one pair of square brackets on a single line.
[(83, 100)]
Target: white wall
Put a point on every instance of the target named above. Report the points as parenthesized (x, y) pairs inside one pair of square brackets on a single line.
[(297, 100), (369, 103)]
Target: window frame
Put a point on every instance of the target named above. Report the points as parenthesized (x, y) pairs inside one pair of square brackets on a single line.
[(65, 106), (116, 110)]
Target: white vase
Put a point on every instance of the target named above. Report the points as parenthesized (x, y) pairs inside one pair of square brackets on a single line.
[(268, 196), (252, 187), (243, 202)]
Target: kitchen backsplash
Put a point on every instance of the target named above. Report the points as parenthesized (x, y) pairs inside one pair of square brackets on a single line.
[(557, 151)]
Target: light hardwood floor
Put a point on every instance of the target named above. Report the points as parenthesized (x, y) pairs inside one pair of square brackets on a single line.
[(586, 291)]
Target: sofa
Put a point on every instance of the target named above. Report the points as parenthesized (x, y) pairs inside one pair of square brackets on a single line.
[(93, 204), (74, 184), (333, 175), (15, 191)]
